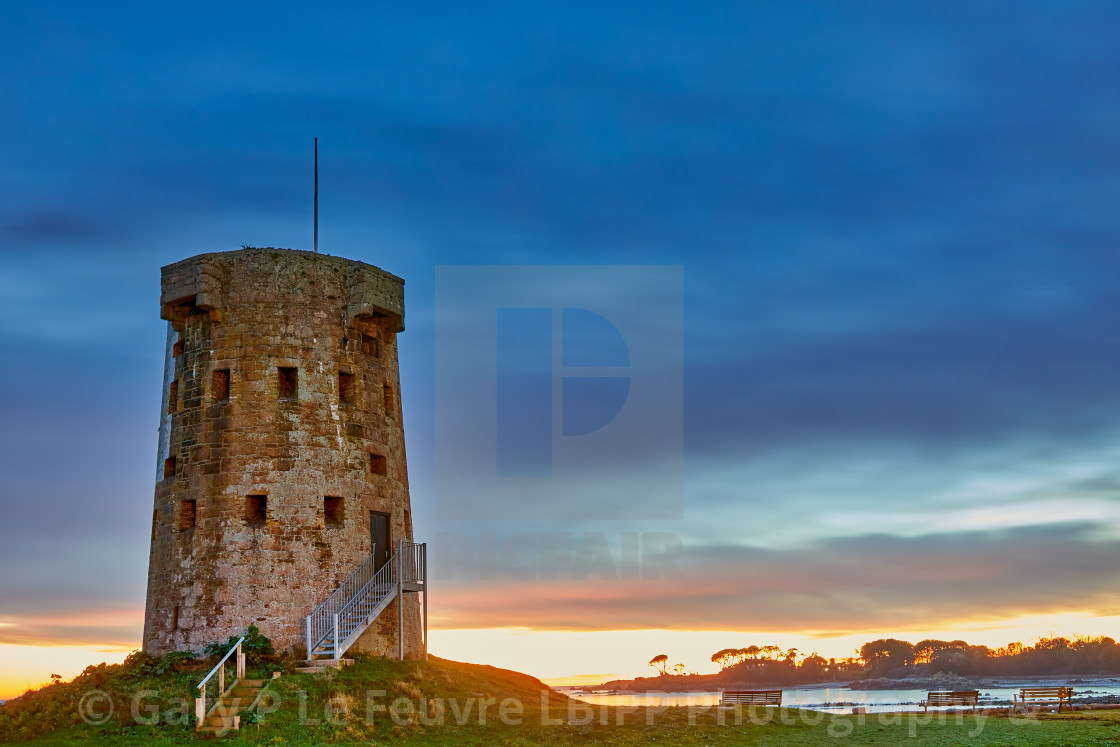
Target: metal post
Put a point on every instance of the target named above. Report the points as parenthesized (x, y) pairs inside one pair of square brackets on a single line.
[(424, 563), (200, 708), (316, 195), (221, 680), (309, 638), (240, 663), (400, 599), (336, 641)]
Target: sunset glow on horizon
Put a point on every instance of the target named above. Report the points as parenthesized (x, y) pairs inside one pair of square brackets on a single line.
[(575, 658)]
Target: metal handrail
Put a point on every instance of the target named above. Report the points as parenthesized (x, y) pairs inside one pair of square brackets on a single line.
[(382, 578), (321, 622), (414, 557), (339, 617), (359, 573)]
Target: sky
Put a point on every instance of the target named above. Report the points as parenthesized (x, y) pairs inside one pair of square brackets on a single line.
[(896, 237)]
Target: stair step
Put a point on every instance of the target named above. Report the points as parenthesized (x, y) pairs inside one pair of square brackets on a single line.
[(224, 714), (236, 700), (338, 663), (232, 708)]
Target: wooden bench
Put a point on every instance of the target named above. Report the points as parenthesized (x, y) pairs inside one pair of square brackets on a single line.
[(751, 697), (1045, 696), (954, 698)]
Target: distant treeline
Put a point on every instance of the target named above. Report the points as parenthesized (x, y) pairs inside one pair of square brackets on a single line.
[(889, 657)]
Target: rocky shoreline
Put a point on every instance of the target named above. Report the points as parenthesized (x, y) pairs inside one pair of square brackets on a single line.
[(940, 681), (955, 682)]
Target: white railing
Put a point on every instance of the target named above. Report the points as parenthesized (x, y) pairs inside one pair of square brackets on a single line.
[(343, 615), (323, 622), (414, 559), (239, 673), (381, 583), (353, 615)]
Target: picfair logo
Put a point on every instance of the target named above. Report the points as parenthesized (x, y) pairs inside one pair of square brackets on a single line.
[(559, 392), (594, 383)]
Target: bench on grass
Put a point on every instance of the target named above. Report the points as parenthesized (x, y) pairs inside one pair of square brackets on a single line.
[(751, 697), (954, 698), (1045, 696)]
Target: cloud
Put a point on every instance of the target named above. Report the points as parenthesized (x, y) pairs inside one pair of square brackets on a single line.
[(865, 583), (897, 226), (58, 226), (945, 380), (74, 627)]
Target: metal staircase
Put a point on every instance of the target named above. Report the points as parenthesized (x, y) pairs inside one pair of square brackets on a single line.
[(339, 622)]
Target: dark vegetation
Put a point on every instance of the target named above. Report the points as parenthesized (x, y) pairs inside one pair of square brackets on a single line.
[(310, 709), (895, 659), (174, 677)]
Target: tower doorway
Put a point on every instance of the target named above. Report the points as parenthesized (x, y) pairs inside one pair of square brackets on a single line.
[(379, 537)]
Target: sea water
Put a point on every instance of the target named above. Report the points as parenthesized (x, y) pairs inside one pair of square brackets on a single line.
[(837, 699)]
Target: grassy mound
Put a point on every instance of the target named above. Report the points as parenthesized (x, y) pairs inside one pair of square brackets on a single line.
[(152, 700), (440, 702), (105, 687)]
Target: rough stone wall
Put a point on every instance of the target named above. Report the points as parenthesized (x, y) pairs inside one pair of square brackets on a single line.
[(217, 564)]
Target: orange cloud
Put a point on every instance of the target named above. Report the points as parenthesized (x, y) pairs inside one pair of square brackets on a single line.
[(113, 628), (836, 586)]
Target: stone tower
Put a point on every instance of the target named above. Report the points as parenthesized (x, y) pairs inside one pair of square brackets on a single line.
[(281, 447)]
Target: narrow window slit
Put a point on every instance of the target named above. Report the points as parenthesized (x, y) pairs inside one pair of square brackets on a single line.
[(187, 514), (378, 464), (256, 509), (288, 382), (371, 345), (332, 510), (220, 385), (345, 388)]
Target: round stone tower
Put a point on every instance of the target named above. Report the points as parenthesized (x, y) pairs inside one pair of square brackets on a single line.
[(281, 448)]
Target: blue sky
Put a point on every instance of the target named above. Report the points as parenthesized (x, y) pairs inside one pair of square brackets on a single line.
[(896, 223)]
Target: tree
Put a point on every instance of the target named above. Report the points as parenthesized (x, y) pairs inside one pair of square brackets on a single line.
[(660, 661), (725, 657), (925, 650), (886, 654), (1012, 649), (949, 659), (813, 666)]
